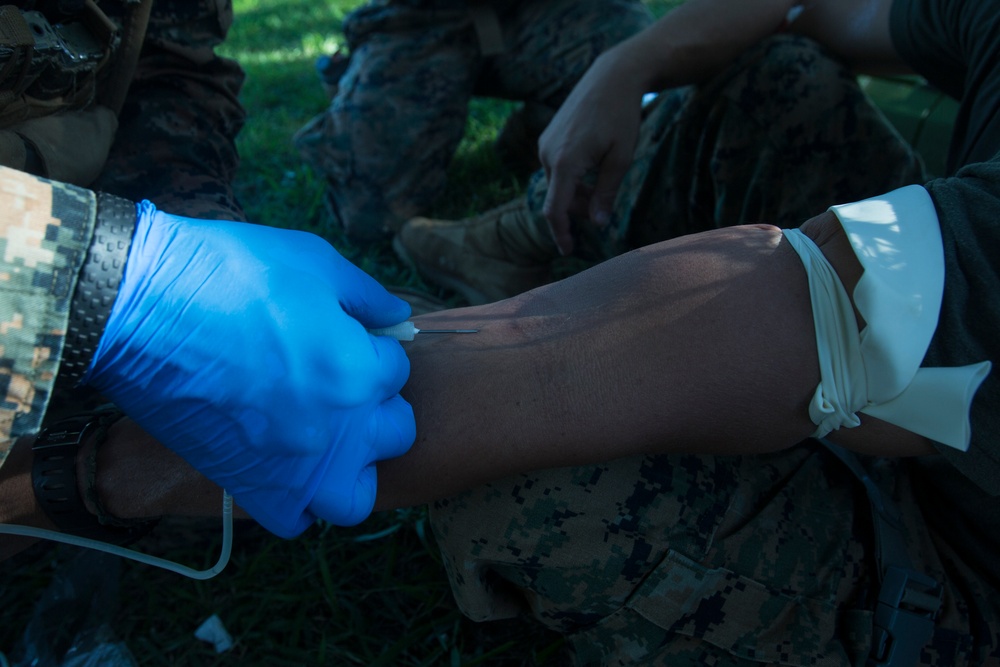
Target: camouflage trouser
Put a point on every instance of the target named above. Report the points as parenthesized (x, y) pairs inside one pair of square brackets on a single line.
[(777, 138), (386, 140), (176, 138), (710, 560), (700, 560)]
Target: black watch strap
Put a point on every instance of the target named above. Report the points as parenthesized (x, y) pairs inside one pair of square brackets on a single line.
[(97, 286), (54, 479)]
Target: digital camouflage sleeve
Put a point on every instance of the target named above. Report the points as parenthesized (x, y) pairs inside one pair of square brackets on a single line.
[(45, 232)]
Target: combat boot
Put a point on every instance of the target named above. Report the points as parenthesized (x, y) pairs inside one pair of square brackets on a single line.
[(492, 256)]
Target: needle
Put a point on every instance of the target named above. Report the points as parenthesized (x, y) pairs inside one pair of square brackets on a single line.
[(447, 330), (407, 331)]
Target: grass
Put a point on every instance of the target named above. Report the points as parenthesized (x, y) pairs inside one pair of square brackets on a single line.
[(277, 43), (370, 595)]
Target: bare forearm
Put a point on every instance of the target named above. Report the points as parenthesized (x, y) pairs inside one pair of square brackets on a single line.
[(698, 39), (137, 477), (17, 500), (692, 345), (641, 341), (702, 344), (701, 37), (856, 30)]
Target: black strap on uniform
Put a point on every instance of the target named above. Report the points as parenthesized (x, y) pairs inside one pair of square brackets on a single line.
[(908, 600)]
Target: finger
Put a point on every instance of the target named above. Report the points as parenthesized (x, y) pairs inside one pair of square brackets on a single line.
[(393, 366), (393, 428), (271, 511), (609, 180), (364, 497), (343, 502), (558, 198), (364, 299)]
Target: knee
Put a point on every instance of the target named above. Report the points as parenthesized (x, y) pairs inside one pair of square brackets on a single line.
[(789, 75)]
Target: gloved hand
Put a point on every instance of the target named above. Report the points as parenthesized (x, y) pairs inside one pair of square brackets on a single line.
[(244, 349)]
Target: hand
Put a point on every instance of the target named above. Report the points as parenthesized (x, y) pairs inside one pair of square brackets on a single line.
[(244, 349), (594, 132)]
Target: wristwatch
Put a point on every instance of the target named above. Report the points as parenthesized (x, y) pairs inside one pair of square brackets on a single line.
[(54, 480)]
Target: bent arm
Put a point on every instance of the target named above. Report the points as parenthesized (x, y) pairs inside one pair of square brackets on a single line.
[(588, 147)]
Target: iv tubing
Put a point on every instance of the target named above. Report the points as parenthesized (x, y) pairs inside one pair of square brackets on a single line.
[(227, 545)]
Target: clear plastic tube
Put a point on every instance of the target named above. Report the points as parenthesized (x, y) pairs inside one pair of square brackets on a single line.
[(220, 565)]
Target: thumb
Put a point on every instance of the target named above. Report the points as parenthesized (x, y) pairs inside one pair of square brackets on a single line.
[(342, 503), (558, 198), (364, 299)]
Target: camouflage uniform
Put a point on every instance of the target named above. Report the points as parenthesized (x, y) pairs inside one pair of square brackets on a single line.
[(47, 229), (176, 140), (386, 140), (712, 560), (175, 146), (696, 560)]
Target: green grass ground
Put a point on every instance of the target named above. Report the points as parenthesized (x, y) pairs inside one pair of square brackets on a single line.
[(371, 595)]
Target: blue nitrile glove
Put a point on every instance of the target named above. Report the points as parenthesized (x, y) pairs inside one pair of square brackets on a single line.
[(244, 349)]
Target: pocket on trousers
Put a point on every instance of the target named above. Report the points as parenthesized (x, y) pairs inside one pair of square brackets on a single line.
[(733, 614)]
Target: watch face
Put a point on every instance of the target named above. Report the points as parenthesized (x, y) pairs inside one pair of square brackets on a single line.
[(57, 490), (55, 483), (53, 473)]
